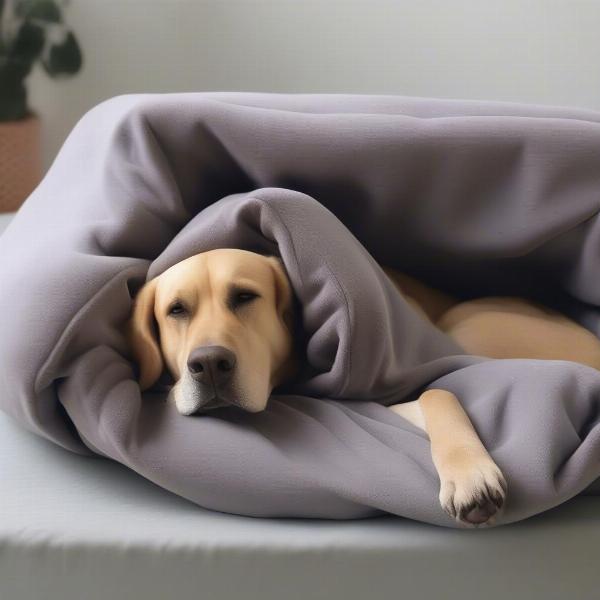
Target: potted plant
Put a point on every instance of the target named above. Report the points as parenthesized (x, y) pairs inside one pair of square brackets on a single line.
[(30, 31)]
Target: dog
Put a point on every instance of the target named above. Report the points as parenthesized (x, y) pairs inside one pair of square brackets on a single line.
[(221, 322)]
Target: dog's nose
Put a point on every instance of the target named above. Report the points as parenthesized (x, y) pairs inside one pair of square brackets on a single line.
[(211, 364)]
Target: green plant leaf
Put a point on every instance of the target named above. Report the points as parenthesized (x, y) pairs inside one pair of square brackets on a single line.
[(2, 27), (64, 58), (42, 10), (13, 95), (13, 71), (28, 43)]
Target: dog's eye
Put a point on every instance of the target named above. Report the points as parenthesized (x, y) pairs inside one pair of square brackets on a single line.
[(240, 297), (245, 297), (176, 309)]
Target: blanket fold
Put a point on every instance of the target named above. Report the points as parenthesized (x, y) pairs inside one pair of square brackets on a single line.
[(475, 198)]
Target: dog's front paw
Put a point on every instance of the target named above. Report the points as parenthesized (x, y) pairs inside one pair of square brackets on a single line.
[(473, 491)]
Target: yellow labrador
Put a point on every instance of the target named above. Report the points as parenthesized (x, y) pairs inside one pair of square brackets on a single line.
[(223, 321), (220, 322)]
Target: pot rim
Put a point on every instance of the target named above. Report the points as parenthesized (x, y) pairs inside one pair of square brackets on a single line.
[(28, 118)]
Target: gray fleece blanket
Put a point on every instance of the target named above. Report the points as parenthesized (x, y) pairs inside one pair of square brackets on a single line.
[(474, 198)]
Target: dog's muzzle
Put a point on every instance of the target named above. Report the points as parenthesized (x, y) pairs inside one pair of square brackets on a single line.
[(211, 365), (212, 368)]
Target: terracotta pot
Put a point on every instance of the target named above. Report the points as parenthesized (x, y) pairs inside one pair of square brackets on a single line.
[(20, 161)]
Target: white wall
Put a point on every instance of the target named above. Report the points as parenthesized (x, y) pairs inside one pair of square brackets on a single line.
[(544, 51)]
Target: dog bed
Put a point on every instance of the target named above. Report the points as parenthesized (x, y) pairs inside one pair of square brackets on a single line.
[(475, 198)]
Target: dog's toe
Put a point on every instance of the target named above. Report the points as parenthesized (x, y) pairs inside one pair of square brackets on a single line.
[(474, 496), (479, 512)]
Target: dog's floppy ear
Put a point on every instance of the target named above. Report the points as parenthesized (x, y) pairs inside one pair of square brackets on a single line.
[(142, 334), (283, 291)]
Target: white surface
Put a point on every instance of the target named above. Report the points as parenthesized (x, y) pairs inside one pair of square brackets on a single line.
[(73, 527), (5, 219), (541, 51)]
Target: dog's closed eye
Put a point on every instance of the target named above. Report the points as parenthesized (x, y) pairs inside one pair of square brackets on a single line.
[(177, 309), (238, 297)]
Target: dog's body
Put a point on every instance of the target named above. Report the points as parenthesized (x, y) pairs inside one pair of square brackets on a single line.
[(472, 488), (221, 323)]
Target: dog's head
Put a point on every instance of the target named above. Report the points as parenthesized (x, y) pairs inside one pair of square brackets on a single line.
[(220, 323)]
